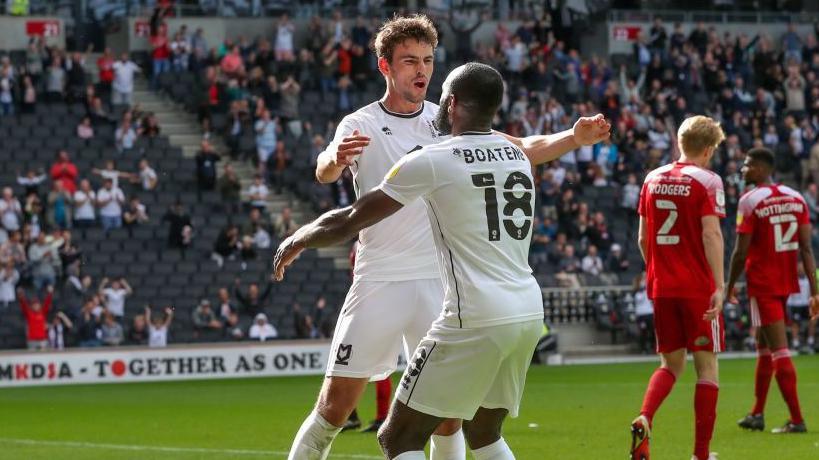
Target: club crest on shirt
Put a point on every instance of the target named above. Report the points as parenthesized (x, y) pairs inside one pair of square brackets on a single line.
[(343, 354), (456, 152), (386, 130)]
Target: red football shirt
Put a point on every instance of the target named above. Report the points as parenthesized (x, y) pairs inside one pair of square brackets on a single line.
[(673, 202), (772, 214)]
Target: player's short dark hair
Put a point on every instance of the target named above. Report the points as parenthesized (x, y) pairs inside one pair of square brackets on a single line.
[(401, 28), (762, 155), (479, 87)]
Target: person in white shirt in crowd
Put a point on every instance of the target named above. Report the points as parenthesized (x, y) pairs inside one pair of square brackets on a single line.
[(146, 177), (11, 213), (31, 181), (592, 264), (9, 276), (135, 213), (43, 255), (158, 327), (261, 237), (266, 138), (180, 52), (111, 172), (644, 311), (284, 39), (125, 135), (110, 201), (257, 193), (56, 330), (84, 199), (115, 295), (85, 130), (123, 87), (262, 330)]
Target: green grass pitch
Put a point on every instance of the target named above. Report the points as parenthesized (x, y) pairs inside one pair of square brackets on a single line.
[(575, 412)]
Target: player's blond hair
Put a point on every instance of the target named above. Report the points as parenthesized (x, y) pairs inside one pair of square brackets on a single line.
[(699, 133), (401, 28)]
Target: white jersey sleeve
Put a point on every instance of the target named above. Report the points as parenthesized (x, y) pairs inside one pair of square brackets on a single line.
[(412, 177)]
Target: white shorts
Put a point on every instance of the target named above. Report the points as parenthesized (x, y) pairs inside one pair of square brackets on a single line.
[(455, 371), (376, 316)]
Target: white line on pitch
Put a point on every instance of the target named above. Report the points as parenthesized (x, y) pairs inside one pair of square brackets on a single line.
[(199, 450)]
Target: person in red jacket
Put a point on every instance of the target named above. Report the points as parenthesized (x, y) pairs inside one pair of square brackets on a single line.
[(65, 171), (36, 315)]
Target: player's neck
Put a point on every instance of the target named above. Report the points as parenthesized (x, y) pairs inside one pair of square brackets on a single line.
[(701, 161), (458, 129), (397, 104)]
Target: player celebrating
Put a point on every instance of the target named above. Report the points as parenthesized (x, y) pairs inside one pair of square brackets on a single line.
[(478, 191), (396, 291), (680, 238), (773, 227)]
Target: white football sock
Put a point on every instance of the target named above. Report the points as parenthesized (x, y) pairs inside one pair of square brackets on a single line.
[(314, 438), (448, 447), (412, 455), (498, 450)]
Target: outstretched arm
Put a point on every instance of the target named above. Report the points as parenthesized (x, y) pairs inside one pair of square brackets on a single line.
[(335, 227), (549, 147)]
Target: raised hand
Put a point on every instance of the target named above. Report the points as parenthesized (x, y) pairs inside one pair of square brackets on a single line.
[(591, 130), (349, 147)]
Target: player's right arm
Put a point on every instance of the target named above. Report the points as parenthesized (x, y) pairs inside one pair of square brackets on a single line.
[(714, 247), (737, 266), (347, 144)]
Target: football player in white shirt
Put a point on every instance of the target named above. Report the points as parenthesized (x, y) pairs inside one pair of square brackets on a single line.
[(397, 291), (492, 311)]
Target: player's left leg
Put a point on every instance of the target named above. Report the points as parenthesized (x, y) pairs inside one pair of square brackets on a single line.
[(447, 443), (483, 433), (405, 432), (785, 374), (705, 401)]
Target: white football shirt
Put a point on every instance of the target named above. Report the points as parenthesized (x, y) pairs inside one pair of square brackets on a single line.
[(399, 248), (479, 193)]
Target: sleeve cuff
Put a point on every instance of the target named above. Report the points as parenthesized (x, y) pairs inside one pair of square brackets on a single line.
[(385, 187)]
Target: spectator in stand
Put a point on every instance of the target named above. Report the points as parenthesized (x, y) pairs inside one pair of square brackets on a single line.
[(204, 320), (321, 320), (89, 331), (9, 277), (206, 161), (42, 254), (617, 262), (11, 213), (146, 176), (227, 245), (29, 100), (114, 296), (284, 225), (85, 130), (290, 91), (76, 75), (160, 54), (74, 292), (225, 305), (84, 200), (180, 52), (13, 250), (6, 92), (258, 193), (31, 181), (266, 137), (252, 303), (285, 30), (111, 172), (231, 189), (36, 315), (180, 230), (592, 264), (105, 65), (135, 214), (138, 332), (56, 330), (644, 310), (262, 330), (232, 64), (279, 162), (55, 81), (123, 85), (35, 57), (149, 126), (125, 135), (158, 327), (112, 332), (60, 202), (65, 171), (109, 201), (302, 322)]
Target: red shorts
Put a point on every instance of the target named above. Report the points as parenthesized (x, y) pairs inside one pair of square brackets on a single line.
[(767, 310), (678, 324)]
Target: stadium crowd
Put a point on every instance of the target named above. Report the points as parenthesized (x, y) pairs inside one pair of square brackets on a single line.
[(763, 89)]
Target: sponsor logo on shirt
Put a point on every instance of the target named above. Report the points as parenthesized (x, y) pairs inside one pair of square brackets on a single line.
[(343, 354), (386, 130)]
